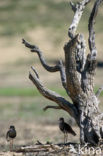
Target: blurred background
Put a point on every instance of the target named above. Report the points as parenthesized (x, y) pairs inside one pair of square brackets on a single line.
[(44, 23)]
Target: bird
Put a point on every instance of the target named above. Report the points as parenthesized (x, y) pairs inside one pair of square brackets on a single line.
[(65, 128), (10, 135)]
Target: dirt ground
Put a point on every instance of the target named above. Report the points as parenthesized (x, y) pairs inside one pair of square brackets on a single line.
[(28, 132)]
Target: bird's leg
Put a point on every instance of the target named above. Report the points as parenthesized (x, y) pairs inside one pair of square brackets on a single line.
[(66, 137), (10, 146)]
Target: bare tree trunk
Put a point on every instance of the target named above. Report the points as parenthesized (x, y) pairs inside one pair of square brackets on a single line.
[(77, 77)]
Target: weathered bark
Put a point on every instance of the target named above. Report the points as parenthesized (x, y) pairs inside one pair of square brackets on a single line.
[(77, 77)]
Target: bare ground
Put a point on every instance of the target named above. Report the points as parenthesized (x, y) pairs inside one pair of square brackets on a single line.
[(28, 132)]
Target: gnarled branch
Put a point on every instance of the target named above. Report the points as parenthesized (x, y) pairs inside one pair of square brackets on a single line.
[(90, 66), (35, 49), (91, 39), (51, 95), (59, 67)]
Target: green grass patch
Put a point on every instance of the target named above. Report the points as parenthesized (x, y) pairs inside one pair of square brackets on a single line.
[(27, 103), (24, 92), (28, 108), (18, 92)]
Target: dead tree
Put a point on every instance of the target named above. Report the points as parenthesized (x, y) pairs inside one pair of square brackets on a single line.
[(77, 77)]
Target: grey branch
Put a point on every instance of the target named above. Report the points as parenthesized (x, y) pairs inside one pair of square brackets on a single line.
[(63, 76), (78, 8), (53, 107), (59, 67), (51, 95), (35, 72), (39, 52), (99, 91), (91, 39), (90, 66)]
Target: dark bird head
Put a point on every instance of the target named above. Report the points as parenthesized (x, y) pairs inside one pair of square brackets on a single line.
[(12, 127), (61, 120)]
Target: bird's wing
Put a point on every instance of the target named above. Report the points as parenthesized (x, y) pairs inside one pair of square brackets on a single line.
[(15, 133), (7, 136), (69, 129)]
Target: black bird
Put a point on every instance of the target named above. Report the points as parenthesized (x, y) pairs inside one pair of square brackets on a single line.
[(10, 135), (65, 128)]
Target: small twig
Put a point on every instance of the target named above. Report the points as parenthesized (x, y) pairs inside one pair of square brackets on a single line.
[(99, 91), (35, 72), (30, 46), (38, 143), (53, 107)]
